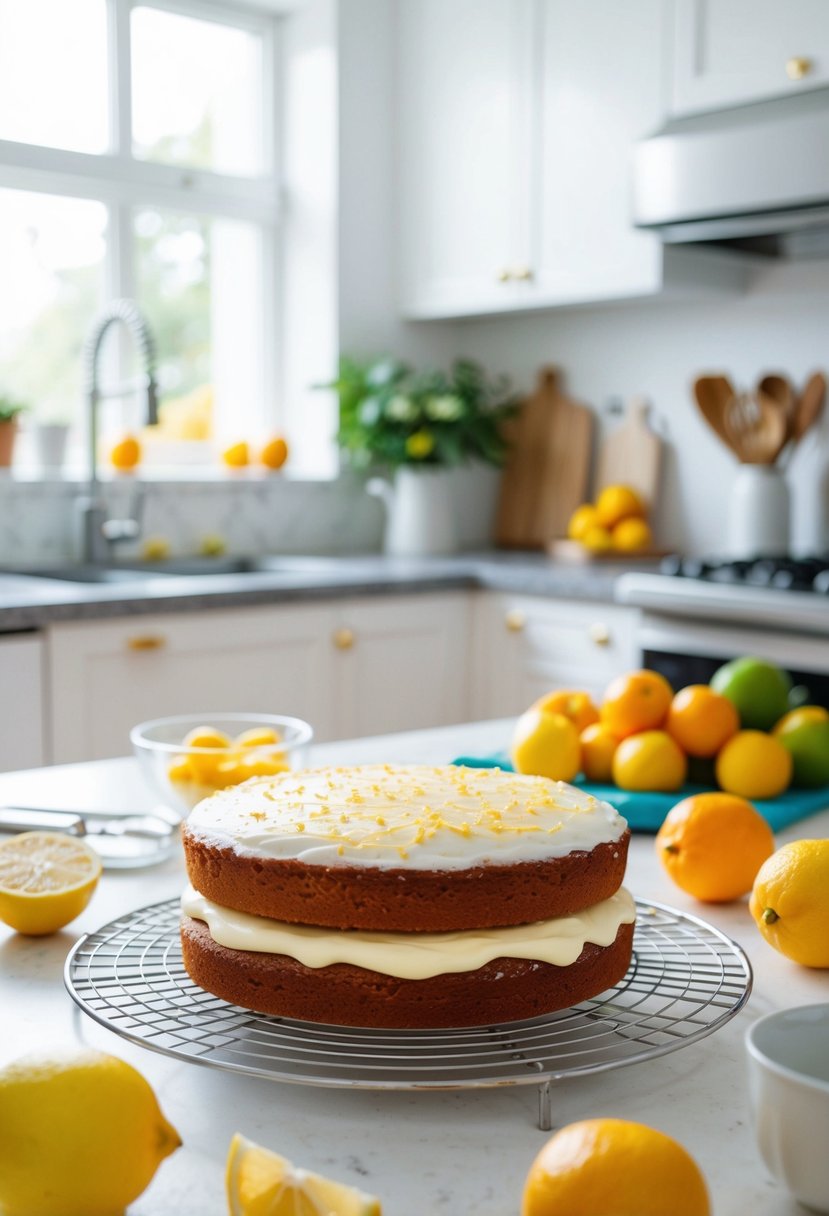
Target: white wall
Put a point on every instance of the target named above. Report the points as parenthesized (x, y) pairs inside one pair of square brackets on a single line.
[(780, 323)]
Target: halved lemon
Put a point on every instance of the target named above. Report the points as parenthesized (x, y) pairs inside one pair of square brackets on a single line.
[(46, 880), (261, 1183)]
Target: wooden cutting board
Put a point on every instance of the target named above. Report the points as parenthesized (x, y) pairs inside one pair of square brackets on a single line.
[(547, 471), (632, 454)]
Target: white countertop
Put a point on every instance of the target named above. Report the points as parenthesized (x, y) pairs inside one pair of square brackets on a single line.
[(423, 1153)]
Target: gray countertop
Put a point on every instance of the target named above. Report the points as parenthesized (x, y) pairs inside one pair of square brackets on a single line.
[(28, 602)]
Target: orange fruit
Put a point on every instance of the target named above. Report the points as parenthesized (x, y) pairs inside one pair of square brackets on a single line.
[(546, 745), (651, 760), (126, 454), (582, 519), (790, 901), (598, 747), (702, 720), (637, 701), (612, 1167), (274, 453), (754, 765), (616, 503), (577, 706), (236, 456), (712, 845), (632, 535), (597, 539)]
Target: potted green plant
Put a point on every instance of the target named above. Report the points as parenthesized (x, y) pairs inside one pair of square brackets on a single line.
[(414, 428), (9, 411)]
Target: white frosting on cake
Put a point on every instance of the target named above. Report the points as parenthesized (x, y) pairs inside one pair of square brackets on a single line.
[(416, 956), (383, 816)]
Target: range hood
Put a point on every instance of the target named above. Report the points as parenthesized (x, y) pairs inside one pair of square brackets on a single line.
[(754, 178)]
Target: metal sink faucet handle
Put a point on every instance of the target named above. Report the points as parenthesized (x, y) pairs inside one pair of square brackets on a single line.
[(100, 533)]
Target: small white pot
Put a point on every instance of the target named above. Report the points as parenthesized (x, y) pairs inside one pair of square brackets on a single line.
[(50, 443), (420, 511), (758, 513)]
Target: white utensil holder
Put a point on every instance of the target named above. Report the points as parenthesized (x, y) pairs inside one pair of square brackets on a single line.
[(758, 515)]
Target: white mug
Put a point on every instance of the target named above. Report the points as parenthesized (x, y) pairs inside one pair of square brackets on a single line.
[(788, 1059)]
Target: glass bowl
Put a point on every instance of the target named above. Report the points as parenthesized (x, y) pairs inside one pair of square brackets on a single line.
[(186, 757)]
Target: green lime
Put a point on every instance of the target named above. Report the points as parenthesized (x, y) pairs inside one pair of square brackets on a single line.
[(809, 747), (758, 689)]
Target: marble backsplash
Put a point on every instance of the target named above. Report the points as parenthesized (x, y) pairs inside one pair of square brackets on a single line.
[(39, 520)]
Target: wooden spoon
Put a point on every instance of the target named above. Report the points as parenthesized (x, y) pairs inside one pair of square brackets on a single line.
[(756, 427), (713, 394), (809, 406), (779, 389)]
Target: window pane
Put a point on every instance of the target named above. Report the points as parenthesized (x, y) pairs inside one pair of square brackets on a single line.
[(53, 73), (197, 96), (200, 285), (52, 251)]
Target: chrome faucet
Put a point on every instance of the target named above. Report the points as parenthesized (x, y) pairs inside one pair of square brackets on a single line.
[(99, 532)]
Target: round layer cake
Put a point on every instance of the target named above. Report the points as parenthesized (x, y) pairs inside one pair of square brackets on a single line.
[(404, 897), (413, 849)]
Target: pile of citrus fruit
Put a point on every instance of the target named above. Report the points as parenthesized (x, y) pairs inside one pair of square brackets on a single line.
[(616, 522), (737, 733)]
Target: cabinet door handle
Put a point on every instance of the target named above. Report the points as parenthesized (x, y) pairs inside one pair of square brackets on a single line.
[(343, 639), (505, 275), (599, 633), (515, 620), (798, 66), (147, 641), (523, 274)]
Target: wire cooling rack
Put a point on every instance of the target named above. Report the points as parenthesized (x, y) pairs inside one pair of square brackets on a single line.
[(686, 979)]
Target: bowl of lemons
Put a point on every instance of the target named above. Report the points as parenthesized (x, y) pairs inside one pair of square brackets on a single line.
[(187, 757)]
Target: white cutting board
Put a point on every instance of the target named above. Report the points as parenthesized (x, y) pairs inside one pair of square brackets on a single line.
[(631, 455)]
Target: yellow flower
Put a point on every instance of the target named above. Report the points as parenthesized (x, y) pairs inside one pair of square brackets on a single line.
[(420, 445)]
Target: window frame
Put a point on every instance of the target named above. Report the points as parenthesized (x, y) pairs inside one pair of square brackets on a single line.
[(124, 183)]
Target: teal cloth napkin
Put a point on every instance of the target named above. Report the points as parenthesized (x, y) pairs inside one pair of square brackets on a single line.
[(646, 811)]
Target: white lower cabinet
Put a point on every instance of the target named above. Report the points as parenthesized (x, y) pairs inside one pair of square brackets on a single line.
[(525, 646), (22, 727), (106, 676), (350, 667), (402, 664)]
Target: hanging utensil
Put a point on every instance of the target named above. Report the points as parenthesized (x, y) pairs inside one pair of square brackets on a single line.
[(809, 406)]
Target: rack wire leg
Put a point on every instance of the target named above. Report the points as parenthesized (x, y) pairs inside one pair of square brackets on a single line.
[(545, 1107)]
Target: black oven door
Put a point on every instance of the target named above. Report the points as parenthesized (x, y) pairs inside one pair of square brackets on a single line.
[(683, 669)]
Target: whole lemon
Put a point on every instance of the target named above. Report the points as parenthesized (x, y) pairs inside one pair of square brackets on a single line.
[(651, 760), (125, 454), (83, 1135), (597, 539), (612, 1167), (616, 503), (582, 519), (546, 745), (632, 536), (754, 765), (274, 453), (598, 747), (237, 456), (790, 901)]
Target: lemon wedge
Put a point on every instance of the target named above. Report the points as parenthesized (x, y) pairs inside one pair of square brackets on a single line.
[(261, 1183), (46, 880)]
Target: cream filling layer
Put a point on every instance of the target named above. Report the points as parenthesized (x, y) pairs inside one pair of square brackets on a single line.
[(415, 956)]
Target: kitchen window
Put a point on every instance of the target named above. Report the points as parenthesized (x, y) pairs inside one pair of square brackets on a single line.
[(138, 158)]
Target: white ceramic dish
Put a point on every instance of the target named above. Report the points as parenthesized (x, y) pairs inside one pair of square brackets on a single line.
[(788, 1058)]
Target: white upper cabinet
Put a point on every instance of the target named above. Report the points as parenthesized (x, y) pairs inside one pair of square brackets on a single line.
[(732, 52), (464, 93), (517, 120), (602, 89)]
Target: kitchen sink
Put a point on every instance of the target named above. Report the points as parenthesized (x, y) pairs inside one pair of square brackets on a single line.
[(131, 572)]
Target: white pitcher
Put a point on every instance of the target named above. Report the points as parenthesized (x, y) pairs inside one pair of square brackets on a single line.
[(420, 516)]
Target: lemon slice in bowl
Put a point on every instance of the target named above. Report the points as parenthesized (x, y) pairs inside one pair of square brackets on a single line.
[(46, 880), (261, 1183)]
